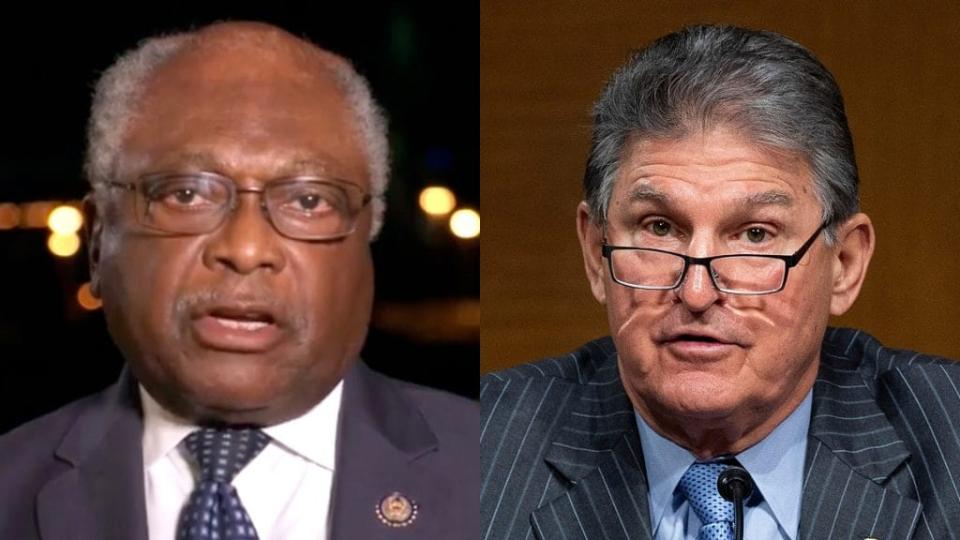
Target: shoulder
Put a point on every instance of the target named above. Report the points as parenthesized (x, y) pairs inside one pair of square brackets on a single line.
[(530, 398), (574, 368), (38, 438), (878, 364), (453, 419), (918, 393), (29, 461), (906, 383)]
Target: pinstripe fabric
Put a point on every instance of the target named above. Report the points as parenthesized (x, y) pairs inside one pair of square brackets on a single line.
[(561, 458)]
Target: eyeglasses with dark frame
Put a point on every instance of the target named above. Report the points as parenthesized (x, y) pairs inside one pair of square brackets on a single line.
[(738, 273), (301, 207)]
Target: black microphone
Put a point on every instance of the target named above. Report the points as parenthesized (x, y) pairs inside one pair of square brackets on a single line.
[(735, 485)]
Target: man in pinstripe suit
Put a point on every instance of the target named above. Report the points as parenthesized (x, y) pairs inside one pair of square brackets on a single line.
[(721, 229)]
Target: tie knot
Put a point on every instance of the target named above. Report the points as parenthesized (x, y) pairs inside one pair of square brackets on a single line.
[(223, 452), (699, 486)]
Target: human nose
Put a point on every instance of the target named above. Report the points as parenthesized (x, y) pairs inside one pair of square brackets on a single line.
[(697, 291), (246, 241)]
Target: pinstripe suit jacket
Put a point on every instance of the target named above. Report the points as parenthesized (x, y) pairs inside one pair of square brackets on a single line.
[(560, 453)]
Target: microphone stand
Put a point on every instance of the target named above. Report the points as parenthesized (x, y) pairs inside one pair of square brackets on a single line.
[(735, 485)]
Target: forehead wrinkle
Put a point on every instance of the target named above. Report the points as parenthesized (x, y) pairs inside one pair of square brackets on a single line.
[(306, 165), (199, 160), (645, 192), (297, 164)]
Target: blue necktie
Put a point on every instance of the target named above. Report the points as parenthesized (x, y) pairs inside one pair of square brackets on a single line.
[(214, 511), (699, 486)]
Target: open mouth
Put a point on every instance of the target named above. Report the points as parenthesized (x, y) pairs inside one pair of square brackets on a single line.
[(237, 328), (698, 346), (241, 320), (697, 339)]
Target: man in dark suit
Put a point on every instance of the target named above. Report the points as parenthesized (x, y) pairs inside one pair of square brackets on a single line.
[(238, 175), (721, 165)]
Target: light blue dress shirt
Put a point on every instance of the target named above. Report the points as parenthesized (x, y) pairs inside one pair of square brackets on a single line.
[(775, 463)]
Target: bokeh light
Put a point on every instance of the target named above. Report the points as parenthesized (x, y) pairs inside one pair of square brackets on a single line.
[(465, 223), (437, 201), (34, 214), (86, 299), (63, 245), (65, 220), (9, 216)]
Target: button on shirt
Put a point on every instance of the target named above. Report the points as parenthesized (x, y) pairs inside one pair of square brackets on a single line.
[(286, 489), (775, 464)]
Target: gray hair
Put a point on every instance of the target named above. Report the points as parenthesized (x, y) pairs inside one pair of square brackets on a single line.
[(763, 83), (123, 84)]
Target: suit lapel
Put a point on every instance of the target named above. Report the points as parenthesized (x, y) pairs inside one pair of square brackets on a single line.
[(382, 436), (100, 494), (852, 452), (598, 456)]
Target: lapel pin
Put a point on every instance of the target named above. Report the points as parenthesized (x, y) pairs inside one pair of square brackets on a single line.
[(396, 510)]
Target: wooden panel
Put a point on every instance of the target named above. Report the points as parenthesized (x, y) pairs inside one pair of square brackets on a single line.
[(542, 65)]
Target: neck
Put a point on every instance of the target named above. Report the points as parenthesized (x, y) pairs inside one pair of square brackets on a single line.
[(709, 437)]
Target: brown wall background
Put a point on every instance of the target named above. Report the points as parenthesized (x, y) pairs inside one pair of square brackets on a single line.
[(543, 63)]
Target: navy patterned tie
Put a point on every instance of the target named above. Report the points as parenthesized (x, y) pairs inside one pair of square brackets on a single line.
[(699, 486), (214, 511)]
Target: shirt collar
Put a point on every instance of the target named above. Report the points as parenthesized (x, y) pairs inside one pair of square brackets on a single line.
[(775, 464), (162, 430), (312, 435), (665, 463)]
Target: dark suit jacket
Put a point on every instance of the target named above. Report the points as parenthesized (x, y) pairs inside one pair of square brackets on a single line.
[(560, 452), (77, 474)]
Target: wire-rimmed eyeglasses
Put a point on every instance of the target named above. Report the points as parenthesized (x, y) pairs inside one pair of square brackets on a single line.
[(302, 207)]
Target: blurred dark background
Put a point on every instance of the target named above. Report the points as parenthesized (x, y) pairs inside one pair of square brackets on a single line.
[(422, 65)]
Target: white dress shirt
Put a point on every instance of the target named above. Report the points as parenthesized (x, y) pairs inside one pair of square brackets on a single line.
[(286, 489)]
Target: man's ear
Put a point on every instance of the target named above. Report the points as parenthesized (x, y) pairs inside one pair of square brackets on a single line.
[(852, 253), (591, 240), (93, 232)]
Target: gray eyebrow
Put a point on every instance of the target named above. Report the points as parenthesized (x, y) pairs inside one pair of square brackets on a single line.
[(768, 198), (299, 165), (646, 192)]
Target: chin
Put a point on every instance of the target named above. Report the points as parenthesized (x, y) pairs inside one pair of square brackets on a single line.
[(700, 395), (230, 390), (234, 398), (253, 417)]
